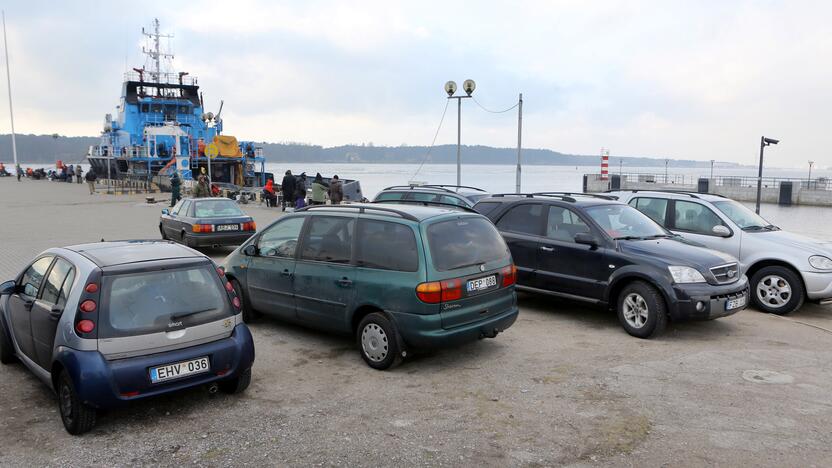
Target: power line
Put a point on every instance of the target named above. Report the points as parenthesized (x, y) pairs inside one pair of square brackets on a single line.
[(493, 111), (435, 135)]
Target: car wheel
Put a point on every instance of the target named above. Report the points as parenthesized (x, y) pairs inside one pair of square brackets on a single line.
[(78, 417), (6, 347), (378, 341), (162, 231), (249, 315), (641, 310), (777, 290), (237, 384), (183, 239)]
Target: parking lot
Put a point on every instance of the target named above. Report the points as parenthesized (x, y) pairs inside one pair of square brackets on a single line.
[(564, 386)]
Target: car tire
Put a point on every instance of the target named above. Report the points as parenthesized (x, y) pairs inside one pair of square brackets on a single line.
[(249, 315), (641, 310), (6, 347), (77, 416), (238, 384), (162, 232), (378, 341), (777, 290)]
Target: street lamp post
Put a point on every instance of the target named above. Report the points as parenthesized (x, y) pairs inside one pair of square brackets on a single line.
[(811, 163), (712, 168), (763, 143), (666, 162), (450, 87)]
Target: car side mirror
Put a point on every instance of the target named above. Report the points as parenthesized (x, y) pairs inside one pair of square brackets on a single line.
[(586, 238), (165, 211), (8, 287), (250, 250), (721, 231)]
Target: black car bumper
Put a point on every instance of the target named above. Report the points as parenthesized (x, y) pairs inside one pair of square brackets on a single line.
[(217, 238), (702, 301)]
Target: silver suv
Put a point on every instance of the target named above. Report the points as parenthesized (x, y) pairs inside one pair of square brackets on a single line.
[(784, 268)]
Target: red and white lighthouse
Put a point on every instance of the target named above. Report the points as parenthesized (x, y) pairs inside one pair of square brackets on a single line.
[(605, 164)]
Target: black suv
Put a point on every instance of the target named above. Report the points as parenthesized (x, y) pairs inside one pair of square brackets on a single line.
[(436, 194), (594, 249)]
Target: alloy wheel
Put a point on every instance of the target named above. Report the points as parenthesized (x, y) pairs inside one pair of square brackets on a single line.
[(635, 310), (66, 403), (774, 291)]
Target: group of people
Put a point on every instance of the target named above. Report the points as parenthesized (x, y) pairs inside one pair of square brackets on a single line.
[(294, 189), (202, 189)]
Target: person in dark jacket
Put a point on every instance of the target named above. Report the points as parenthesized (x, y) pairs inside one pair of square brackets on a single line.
[(78, 174), (91, 180), (288, 186), (300, 191), (336, 190), (175, 188), (70, 173)]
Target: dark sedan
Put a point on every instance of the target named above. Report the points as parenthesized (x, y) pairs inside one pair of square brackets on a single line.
[(206, 222)]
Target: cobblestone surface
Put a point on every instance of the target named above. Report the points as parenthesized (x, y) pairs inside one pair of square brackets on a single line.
[(564, 386)]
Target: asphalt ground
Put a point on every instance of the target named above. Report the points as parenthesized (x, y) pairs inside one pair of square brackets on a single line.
[(564, 386)]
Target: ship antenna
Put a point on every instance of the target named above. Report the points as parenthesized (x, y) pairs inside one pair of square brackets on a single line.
[(154, 53)]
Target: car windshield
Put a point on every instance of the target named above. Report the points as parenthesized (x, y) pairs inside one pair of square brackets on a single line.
[(741, 215), (157, 301), (465, 241), (625, 222), (216, 209)]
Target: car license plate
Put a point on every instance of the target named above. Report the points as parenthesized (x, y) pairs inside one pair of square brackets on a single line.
[(179, 369), (735, 303), (482, 283), (228, 227)]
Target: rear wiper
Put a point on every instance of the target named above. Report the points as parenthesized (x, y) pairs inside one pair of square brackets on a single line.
[(188, 314)]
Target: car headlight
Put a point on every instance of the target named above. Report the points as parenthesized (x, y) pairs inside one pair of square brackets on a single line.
[(683, 274), (820, 262)]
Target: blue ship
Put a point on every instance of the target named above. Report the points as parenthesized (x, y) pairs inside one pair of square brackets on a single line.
[(161, 126)]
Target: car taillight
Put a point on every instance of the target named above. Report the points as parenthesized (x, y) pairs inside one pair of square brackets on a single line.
[(509, 275), (88, 306), (203, 228), (85, 326), (91, 288), (430, 293), (228, 286), (451, 290), (221, 271), (249, 226), (236, 302)]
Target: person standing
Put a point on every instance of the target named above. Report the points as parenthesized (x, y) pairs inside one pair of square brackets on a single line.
[(201, 189), (175, 188), (91, 181), (70, 173), (300, 191), (336, 190), (288, 188), (78, 173), (319, 189), (19, 172), (269, 195)]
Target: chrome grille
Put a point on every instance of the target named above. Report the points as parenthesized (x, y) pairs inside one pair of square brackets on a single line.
[(727, 273)]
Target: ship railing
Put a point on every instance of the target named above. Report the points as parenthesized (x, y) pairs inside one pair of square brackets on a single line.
[(163, 78), (681, 180)]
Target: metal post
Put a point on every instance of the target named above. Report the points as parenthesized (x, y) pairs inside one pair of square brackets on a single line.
[(760, 175), (811, 163), (9, 83), (712, 168), (458, 141), (666, 162), (519, 141)]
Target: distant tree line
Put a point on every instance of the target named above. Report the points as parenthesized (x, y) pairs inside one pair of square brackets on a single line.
[(50, 148)]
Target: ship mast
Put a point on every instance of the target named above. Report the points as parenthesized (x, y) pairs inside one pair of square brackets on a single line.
[(154, 53)]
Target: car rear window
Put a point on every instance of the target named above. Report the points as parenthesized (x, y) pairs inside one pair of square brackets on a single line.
[(156, 301), (484, 208), (216, 209), (464, 241)]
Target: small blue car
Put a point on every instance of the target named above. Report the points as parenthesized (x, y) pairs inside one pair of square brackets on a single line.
[(107, 323)]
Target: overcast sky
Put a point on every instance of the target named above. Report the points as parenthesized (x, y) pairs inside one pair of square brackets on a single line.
[(698, 79)]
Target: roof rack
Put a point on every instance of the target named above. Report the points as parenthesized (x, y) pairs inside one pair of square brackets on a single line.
[(455, 186), (361, 209), (578, 194), (678, 192), (411, 187), (532, 195), (426, 203)]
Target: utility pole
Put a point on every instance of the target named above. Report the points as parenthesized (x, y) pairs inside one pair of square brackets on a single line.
[(811, 163), (519, 140), (9, 83), (666, 162)]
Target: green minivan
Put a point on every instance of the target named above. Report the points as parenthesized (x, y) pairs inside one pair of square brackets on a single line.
[(398, 278)]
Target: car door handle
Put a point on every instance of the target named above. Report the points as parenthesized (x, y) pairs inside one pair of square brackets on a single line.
[(547, 249), (28, 303), (55, 313), (345, 282)]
